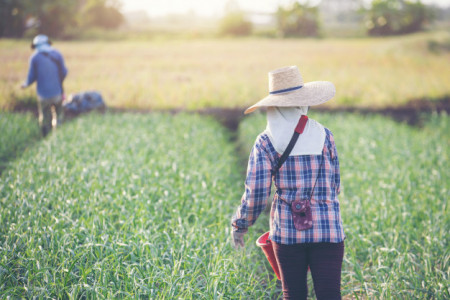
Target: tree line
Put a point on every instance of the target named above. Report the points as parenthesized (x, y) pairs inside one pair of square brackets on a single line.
[(70, 18), (62, 18), (381, 18)]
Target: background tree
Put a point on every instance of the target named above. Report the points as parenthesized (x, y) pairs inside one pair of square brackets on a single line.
[(46, 16), (102, 14), (57, 17), (300, 20), (391, 17), (236, 24), (235, 21), (12, 18)]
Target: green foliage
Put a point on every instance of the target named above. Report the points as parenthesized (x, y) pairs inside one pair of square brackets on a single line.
[(45, 16), (127, 206), (54, 16), (394, 206), (18, 131), (391, 17), (60, 19), (12, 14), (97, 13), (235, 24), (300, 20), (439, 46)]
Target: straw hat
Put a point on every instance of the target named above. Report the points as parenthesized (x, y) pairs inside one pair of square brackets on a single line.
[(286, 89)]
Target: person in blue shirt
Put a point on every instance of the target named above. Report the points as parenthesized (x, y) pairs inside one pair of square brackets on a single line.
[(47, 68)]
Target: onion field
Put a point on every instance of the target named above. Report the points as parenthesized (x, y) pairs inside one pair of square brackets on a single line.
[(17, 132), (126, 206), (139, 206)]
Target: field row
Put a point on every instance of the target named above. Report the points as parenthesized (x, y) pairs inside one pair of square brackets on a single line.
[(195, 74), (123, 205)]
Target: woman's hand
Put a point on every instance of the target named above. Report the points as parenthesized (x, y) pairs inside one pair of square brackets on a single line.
[(238, 239)]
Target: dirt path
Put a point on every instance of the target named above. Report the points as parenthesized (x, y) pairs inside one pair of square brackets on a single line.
[(412, 113)]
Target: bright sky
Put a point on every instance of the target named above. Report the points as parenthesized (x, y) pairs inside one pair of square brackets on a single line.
[(200, 7), (214, 7)]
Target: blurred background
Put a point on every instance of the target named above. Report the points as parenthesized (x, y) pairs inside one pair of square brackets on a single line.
[(199, 54), (70, 19)]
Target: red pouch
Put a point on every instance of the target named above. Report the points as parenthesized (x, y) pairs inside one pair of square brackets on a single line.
[(302, 214)]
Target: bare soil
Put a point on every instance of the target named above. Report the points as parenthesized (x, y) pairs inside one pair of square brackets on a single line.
[(413, 113)]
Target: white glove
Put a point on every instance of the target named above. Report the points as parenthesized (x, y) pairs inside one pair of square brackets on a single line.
[(238, 239)]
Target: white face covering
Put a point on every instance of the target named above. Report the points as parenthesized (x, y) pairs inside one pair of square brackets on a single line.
[(43, 48), (281, 122)]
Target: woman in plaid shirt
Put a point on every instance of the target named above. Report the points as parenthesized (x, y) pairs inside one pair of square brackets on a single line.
[(310, 172)]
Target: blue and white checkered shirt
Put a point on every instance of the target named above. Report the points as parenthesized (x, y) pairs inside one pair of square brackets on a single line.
[(294, 180)]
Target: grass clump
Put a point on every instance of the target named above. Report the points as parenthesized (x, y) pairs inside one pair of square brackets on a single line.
[(18, 131)]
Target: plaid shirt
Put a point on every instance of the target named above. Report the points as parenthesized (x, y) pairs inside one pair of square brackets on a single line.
[(294, 180)]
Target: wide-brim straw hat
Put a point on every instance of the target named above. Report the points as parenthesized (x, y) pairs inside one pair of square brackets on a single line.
[(286, 89)]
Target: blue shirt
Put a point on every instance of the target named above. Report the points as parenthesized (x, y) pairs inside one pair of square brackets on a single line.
[(45, 71)]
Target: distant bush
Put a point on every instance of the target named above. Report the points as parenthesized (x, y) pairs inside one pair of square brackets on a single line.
[(58, 19), (236, 24), (100, 14), (439, 46), (300, 20), (393, 17), (266, 33)]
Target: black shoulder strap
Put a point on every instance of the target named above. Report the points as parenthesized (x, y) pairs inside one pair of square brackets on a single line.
[(298, 130), (317, 178), (59, 66), (57, 62)]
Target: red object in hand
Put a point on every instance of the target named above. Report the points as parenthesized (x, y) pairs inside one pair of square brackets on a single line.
[(266, 245)]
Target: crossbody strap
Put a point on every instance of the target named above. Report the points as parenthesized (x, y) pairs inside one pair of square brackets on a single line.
[(59, 66), (298, 130), (317, 178)]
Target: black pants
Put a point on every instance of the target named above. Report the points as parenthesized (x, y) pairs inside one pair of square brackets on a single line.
[(324, 261)]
